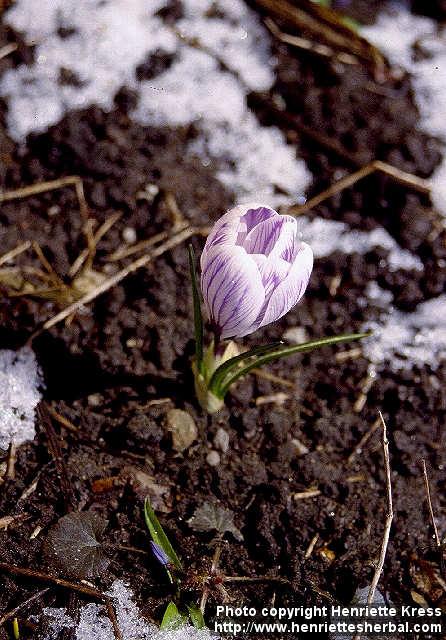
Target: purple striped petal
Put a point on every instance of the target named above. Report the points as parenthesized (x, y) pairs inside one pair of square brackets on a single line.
[(288, 293), (264, 236), (159, 553), (234, 225), (232, 290)]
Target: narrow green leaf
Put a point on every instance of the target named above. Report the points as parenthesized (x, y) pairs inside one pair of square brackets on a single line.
[(158, 535), (172, 618), (283, 352), (196, 616), (198, 319), (220, 373)]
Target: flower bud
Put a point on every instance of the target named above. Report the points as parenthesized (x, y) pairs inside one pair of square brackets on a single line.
[(254, 269)]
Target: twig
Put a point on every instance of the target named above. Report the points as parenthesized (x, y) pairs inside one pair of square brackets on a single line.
[(50, 185), (10, 463), (56, 453), (139, 246), (117, 277), (213, 571), (10, 614), (113, 619), (389, 519), (389, 516), (8, 49), (310, 493), (261, 373), (46, 577), (407, 179), (247, 579), (429, 502), (368, 434), (67, 424), (6, 257), (89, 252), (311, 546), (308, 45)]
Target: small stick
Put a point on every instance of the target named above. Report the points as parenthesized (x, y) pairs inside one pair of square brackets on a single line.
[(89, 252), (213, 571), (113, 619), (117, 277), (311, 546), (45, 577), (10, 614), (389, 516), (67, 424), (139, 246), (368, 434), (8, 49), (311, 493), (389, 519), (50, 185), (261, 373), (429, 502), (248, 579), (407, 179), (308, 45), (10, 463), (6, 257)]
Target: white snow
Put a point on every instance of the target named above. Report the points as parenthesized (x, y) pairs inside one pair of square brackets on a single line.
[(20, 381), (404, 339), (106, 42), (94, 624), (396, 32), (327, 236)]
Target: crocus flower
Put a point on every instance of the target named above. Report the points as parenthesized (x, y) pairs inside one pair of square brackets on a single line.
[(254, 269), (159, 553)]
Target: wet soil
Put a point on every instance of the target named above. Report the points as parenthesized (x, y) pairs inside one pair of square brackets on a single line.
[(122, 363)]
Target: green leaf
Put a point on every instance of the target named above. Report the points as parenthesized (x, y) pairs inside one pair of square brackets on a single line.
[(198, 319), (281, 353), (172, 618), (196, 616), (225, 368), (158, 536)]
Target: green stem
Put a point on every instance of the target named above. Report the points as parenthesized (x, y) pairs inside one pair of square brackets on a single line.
[(198, 320)]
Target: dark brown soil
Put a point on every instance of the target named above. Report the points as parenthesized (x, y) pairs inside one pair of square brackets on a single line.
[(97, 378)]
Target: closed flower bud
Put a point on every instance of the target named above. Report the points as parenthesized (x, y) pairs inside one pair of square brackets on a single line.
[(254, 269)]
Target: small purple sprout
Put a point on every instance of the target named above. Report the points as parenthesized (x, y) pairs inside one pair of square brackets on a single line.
[(159, 554), (254, 269)]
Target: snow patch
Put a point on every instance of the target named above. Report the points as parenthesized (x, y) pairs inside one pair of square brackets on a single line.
[(406, 339), (20, 381), (94, 624), (396, 33), (102, 43), (327, 236)]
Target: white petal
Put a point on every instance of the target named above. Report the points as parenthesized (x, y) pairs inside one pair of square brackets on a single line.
[(232, 290), (291, 289)]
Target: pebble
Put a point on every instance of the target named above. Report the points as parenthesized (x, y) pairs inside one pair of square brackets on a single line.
[(213, 458), (221, 440), (301, 449), (182, 427), (129, 235), (94, 400)]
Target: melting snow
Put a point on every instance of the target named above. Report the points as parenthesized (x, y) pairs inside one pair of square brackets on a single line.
[(396, 33), (19, 395), (102, 43), (94, 623), (327, 236), (405, 339)]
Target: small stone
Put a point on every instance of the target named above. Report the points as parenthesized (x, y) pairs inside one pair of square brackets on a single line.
[(221, 440), (299, 446), (213, 458), (94, 400), (129, 235), (183, 428), (297, 335), (54, 210)]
